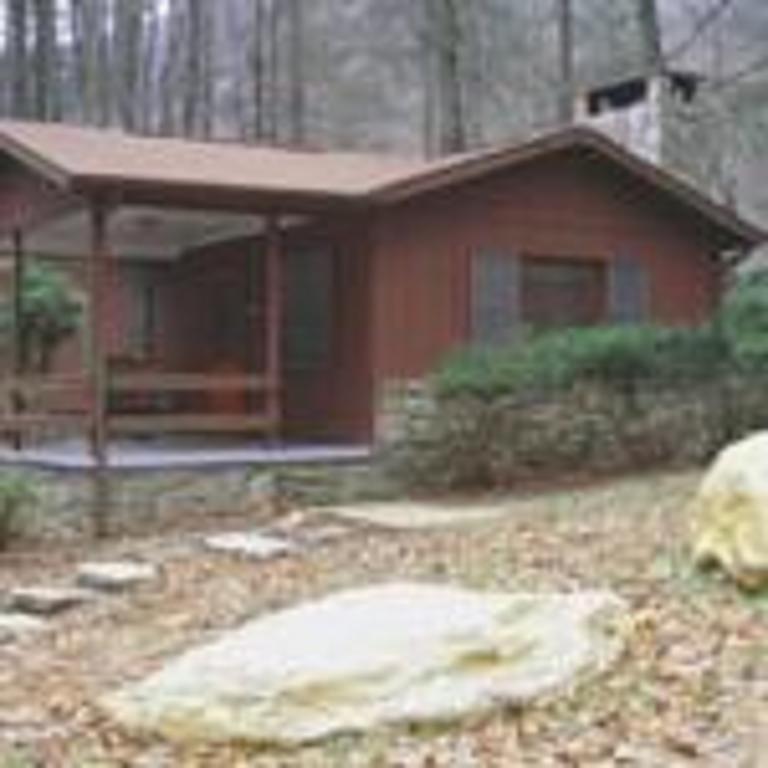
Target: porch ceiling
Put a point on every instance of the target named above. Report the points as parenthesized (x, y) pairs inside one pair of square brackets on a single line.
[(141, 233)]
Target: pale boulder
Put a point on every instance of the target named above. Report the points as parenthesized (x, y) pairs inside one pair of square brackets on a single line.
[(730, 513), (377, 656)]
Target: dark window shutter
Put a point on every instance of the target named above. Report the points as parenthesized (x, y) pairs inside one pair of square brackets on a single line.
[(629, 291), (495, 309)]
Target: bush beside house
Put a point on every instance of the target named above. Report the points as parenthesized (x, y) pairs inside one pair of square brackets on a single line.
[(591, 400)]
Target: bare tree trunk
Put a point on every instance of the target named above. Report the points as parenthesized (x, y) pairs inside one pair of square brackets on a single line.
[(193, 70), (207, 116), (430, 104), (257, 67), (273, 48), (565, 111), (90, 46), (45, 67), (128, 51), (448, 37), (171, 73), (297, 75), (474, 71), (650, 35), (77, 21), (17, 17), (148, 71)]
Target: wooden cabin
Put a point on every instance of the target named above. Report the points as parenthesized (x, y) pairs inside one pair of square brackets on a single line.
[(276, 293)]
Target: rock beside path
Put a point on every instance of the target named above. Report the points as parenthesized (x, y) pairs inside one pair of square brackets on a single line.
[(384, 655), (730, 513), (115, 576), (251, 544), (47, 601)]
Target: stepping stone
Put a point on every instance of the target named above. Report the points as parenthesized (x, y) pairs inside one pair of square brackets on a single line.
[(46, 601), (115, 576), (322, 534), (310, 528), (14, 626), (250, 544)]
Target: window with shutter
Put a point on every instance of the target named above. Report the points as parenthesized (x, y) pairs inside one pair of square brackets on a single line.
[(495, 299), (629, 291), (562, 292)]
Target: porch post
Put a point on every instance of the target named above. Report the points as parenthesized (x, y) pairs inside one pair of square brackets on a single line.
[(274, 324), (96, 355), (17, 402)]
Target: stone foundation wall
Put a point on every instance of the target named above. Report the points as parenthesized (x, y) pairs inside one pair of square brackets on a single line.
[(403, 405), (148, 499)]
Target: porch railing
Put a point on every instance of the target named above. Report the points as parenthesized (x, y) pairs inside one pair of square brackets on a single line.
[(139, 403)]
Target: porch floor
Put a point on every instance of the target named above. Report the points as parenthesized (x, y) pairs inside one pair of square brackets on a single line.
[(168, 453)]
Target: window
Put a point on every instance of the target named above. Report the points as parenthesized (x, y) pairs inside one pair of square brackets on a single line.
[(561, 292), (308, 330), (510, 293), (140, 282)]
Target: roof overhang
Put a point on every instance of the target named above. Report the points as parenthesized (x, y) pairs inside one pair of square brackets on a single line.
[(361, 181)]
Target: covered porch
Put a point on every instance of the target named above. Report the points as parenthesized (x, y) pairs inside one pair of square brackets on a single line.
[(221, 327)]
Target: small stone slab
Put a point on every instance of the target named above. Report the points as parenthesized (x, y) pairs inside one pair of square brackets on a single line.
[(115, 576), (250, 544), (14, 626), (315, 534), (46, 601)]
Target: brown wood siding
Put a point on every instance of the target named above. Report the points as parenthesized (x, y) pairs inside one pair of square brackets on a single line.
[(562, 205)]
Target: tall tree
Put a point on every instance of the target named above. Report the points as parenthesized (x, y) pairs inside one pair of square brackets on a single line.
[(444, 91), (264, 67), (128, 31), (650, 36), (17, 35), (47, 94), (566, 92), (193, 90), (296, 73), (89, 32)]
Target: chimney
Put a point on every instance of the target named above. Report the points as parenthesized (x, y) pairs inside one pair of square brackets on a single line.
[(639, 112)]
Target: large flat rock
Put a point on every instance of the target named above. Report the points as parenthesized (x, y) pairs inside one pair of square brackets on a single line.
[(383, 655), (730, 513)]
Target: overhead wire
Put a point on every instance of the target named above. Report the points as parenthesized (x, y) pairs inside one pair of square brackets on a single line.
[(706, 21)]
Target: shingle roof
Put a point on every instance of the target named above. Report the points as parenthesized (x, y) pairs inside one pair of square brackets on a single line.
[(71, 153), (83, 158)]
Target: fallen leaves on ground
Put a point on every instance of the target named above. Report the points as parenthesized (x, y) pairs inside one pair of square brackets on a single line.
[(692, 689)]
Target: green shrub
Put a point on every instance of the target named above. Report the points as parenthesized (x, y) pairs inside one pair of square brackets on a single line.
[(51, 313), (17, 497), (744, 322), (601, 399), (619, 358)]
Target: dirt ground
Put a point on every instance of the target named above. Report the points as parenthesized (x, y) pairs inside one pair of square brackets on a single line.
[(691, 690)]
